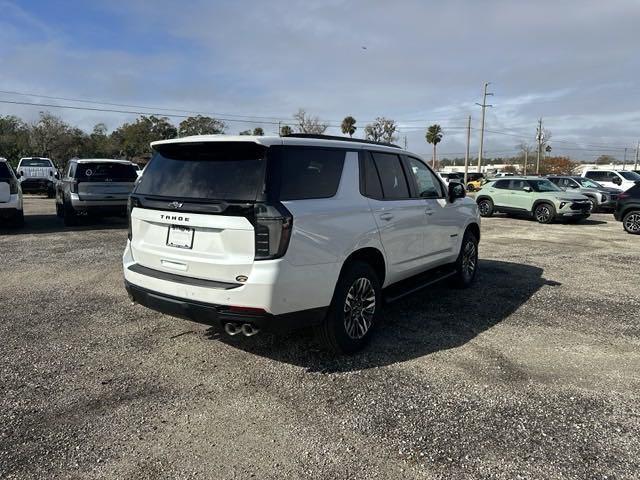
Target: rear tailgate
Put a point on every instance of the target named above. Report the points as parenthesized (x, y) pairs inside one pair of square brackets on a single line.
[(103, 191), (36, 172), (5, 192), (209, 247)]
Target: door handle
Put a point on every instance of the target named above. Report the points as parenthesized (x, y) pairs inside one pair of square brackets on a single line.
[(386, 216), (428, 211)]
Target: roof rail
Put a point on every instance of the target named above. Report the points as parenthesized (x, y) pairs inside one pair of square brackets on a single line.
[(342, 139)]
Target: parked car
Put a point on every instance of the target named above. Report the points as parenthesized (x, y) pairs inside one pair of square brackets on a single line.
[(621, 179), (94, 187), (10, 196), (475, 181), (453, 176), (628, 209), (532, 197), (601, 198), (37, 175), (273, 233), (504, 174)]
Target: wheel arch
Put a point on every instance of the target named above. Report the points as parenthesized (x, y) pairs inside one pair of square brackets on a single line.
[(370, 255), (474, 228), (542, 200), (484, 197)]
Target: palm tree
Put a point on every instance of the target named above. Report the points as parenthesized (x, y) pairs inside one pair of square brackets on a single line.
[(349, 126), (434, 135)]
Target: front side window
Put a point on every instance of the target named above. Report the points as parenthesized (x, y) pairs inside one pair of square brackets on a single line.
[(543, 185), (633, 176), (394, 182), (518, 184), (428, 185)]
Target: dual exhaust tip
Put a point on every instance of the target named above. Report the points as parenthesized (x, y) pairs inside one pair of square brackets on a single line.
[(246, 329)]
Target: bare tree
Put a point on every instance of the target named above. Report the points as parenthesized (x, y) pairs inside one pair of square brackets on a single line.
[(383, 129), (308, 124)]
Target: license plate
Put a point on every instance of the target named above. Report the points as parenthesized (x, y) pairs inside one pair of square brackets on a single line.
[(180, 237)]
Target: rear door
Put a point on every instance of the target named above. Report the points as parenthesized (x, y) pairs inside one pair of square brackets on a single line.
[(500, 193), (401, 219), (192, 210), (105, 181)]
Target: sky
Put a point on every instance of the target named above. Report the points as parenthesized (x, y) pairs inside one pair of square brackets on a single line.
[(575, 63)]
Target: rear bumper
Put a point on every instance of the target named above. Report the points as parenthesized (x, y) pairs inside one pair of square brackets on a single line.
[(36, 184), (219, 315), (115, 207)]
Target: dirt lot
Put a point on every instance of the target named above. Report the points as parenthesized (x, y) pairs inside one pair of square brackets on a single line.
[(533, 373)]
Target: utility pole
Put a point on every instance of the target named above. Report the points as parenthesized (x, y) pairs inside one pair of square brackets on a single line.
[(466, 155), (624, 162), (405, 142), (540, 139), (279, 130), (635, 165), (484, 105), (526, 159)]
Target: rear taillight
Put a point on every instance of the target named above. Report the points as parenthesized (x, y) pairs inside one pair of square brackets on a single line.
[(74, 186), (272, 231), (132, 203), (13, 186)]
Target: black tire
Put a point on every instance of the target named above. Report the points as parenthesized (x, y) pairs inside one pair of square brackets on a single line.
[(470, 188), (544, 212), (51, 193), (631, 222), (59, 212), (467, 261), (347, 334), (69, 215), (485, 207), (594, 204)]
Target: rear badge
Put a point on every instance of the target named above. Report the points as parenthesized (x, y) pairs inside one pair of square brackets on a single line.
[(241, 278)]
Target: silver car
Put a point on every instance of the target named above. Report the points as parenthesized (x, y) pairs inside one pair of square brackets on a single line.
[(94, 187), (601, 198)]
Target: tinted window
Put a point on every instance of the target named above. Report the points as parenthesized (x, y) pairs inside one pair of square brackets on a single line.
[(394, 183), (35, 162), (207, 171), (630, 176), (543, 185), (105, 172), (502, 184), (372, 186), (557, 181), (5, 174), (309, 172), (517, 184), (598, 176), (428, 185)]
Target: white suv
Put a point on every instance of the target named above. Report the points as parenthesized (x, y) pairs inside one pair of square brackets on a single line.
[(10, 195), (620, 179), (272, 233)]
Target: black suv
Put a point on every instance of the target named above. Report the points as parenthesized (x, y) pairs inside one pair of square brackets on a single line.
[(628, 209)]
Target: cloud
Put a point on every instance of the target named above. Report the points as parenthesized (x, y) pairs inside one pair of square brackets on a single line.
[(574, 63)]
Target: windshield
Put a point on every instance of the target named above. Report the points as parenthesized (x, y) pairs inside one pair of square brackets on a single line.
[(543, 185), (633, 176), (106, 172), (35, 162), (585, 182), (206, 171)]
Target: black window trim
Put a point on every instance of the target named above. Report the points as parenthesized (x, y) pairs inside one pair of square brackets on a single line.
[(409, 183)]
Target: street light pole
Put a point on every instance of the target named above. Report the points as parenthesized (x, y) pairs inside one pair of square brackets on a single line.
[(539, 138)]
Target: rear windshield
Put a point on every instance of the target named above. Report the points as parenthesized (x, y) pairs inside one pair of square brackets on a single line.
[(5, 174), (35, 162), (106, 172), (206, 171)]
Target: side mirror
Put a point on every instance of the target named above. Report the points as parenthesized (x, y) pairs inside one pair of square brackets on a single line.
[(57, 176), (527, 189), (456, 190), (617, 180)]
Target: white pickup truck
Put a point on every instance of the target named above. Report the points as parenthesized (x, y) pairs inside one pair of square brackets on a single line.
[(38, 175)]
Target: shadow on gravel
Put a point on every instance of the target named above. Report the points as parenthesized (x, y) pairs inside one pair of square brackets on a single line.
[(435, 319), (38, 224)]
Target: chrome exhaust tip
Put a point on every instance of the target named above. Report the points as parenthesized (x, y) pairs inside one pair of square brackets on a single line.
[(249, 330), (232, 328)]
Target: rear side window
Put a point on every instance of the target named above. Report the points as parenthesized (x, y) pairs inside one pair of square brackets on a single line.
[(602, 176), (206, 171), (5, 174), (394, 182), (502, 184), (308, 172), (105, 172), (372, 185)]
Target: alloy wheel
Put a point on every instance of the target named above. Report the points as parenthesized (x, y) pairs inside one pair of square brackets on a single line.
[(359, 308), (469, 259), (483, 207), (543, 214), (632, 222)]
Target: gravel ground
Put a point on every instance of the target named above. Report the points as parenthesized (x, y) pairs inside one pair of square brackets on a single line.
[(533, 373)]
